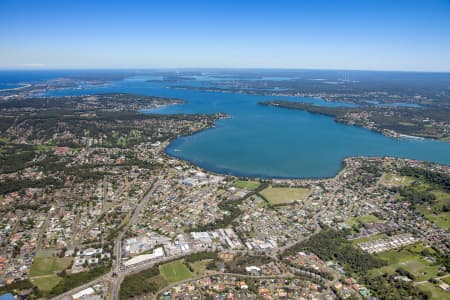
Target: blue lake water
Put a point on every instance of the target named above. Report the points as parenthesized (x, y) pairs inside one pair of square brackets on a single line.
[(268, 141), (6, 86)]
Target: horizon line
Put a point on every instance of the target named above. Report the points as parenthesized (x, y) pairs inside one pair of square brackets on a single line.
[(215, 68)]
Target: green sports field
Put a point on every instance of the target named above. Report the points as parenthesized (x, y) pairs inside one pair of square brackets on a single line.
[(46, 283), (48, 265), (44, 268), (284, 195), (246, 184), (360, 220), (175, 271)]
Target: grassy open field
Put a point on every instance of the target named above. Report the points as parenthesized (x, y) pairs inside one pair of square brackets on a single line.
[(391, 179), (246, 184), (158, 281), (45, 283), (361, 220), (49, 265), (410, 259), (442, 219), (175, 271), (200, 266), (44, 268), (284, 195), (436, 292), (434, 212)]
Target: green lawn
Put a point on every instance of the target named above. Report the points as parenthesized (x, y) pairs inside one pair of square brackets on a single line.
[(442, 220), (410, 259), (404, 253), (200, 266), (362, 220), (245, 184), (436, 292), (434, 212), (175, 271), (367, 219), (284, 195), (46, 283), (48, 265)]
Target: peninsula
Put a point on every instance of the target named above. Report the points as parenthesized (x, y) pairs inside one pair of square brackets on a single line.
[(404, 122)]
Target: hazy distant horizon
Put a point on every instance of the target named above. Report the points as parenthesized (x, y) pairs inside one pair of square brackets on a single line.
[(174, 69)]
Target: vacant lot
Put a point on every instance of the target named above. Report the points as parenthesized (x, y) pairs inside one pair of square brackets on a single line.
[(361, 220), (246, 184), (46, 283), (284, 195), (175, 271), (409, 258), (200, 266), (436, 292), (49, 265), (391, 179), (435, 212), (44, 268)]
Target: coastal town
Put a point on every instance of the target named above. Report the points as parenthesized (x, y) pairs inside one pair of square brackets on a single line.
[(134, 213), (224, 150), (93, 208), (411, 122)]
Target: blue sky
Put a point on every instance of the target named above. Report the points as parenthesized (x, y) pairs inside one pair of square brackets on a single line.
[(344, 34)]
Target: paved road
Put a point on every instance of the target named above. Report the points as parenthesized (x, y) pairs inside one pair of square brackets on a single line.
[(116, 280), (425, 281), (105, 209), (118, 242)]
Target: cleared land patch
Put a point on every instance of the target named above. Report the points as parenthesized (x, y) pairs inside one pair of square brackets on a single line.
[(436, 292), (44, 268), (284, 195), (410, 259), (435, 212), (48, 265), (175, 271), (391, 179), (361, 220), (45, 283), (200, 266)]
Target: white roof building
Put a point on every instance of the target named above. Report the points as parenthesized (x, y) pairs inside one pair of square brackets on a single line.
[(157, 253), (83, 294)]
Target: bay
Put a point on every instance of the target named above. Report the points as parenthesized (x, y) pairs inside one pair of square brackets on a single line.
[(260, 141)]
